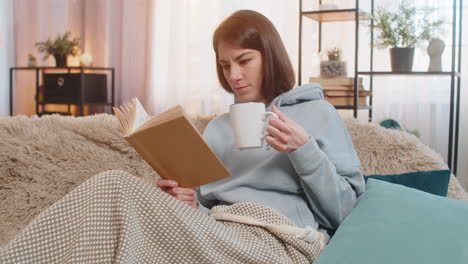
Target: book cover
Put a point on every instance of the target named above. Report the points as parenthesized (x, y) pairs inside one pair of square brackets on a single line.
[(340, 87), (334, 80), (345, 100), (171, 145), (346, 93)]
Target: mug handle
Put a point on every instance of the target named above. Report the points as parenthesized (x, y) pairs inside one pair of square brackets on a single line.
[(264, 118), (266, 114)]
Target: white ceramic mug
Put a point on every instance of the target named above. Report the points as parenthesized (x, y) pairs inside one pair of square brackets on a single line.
[(248, 122)]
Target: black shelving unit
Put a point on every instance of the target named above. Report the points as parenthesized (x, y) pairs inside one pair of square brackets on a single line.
[(457, 74), (80, 101), (355, 14), (336, 15)]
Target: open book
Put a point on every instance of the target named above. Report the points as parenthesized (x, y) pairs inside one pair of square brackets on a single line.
[(170, 144)]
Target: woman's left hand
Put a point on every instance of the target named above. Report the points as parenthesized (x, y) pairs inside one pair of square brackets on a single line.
[(284, 134)]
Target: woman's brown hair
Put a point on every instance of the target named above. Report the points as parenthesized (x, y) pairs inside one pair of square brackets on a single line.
[(251, 30)]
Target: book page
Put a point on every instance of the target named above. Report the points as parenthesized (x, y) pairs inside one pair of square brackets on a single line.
[(141, 116), (131, 116), (170, 114)]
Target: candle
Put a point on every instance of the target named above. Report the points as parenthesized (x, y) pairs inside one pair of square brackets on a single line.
[(86, 60)]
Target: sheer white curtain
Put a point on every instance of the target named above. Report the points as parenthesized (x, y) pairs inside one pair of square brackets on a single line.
[(117, 33), (463, 142), (6, 54), (184, 70)]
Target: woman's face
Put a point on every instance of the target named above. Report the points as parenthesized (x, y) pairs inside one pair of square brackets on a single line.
[(243, 70)]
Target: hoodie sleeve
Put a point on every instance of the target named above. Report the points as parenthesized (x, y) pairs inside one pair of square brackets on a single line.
[(203, 204), (329, 169), (212, 136)]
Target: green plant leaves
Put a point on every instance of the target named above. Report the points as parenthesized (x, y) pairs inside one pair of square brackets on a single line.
[(408, 27), (334, 54), (62, 45)]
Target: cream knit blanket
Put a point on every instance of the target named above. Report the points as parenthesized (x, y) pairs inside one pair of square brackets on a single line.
[(115, 217)]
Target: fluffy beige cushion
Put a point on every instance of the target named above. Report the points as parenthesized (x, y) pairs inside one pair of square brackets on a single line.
[(386, 151), (42, 159)]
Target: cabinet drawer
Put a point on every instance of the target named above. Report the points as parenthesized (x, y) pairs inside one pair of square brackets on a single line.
[(64, 88)]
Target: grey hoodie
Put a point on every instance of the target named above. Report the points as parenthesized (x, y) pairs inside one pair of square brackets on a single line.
[(316, 184)]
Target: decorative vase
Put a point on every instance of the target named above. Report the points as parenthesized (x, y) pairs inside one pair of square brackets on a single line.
[(402, 59), (60, 60), (328, 6), (435, 49), (332, 68)]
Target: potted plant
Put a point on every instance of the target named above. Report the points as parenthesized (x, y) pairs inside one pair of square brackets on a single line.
[(31, 60), (60, 48), (334, 66), (402, 31)]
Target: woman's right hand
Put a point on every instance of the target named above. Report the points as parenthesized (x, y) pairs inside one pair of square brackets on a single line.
[(185, 195)]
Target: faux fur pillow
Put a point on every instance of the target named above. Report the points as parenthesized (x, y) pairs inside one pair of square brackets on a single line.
[(386, 151)]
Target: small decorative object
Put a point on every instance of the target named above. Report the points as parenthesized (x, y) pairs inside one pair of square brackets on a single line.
[(86, 60), (393, 124), (60, 48), (390, 124), (31, 60), (403, 31), (435, 49), (329, 6), (333, 66)]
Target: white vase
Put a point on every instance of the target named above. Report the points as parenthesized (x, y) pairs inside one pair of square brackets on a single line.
[(328, 6), (435, 49)]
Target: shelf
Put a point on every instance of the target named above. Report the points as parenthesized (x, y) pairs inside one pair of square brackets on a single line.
[(335, 15), (73, 103), (61, 68), (457, 74), (51, 113), (352, 107)]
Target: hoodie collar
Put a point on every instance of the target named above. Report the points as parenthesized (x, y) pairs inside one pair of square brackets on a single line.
[(303, 93)]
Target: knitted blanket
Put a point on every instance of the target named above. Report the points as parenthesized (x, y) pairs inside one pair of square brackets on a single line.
[(115, 217)]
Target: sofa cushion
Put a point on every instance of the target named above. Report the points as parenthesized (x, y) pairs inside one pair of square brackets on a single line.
[(434, 182), (395, 224), (388, 151), (42, 159)]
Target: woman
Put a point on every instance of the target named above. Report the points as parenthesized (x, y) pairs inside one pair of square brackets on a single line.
[(311, 178), (313, 174)]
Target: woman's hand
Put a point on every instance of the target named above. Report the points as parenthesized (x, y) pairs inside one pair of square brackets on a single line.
[(185, 195), (284, 134)]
